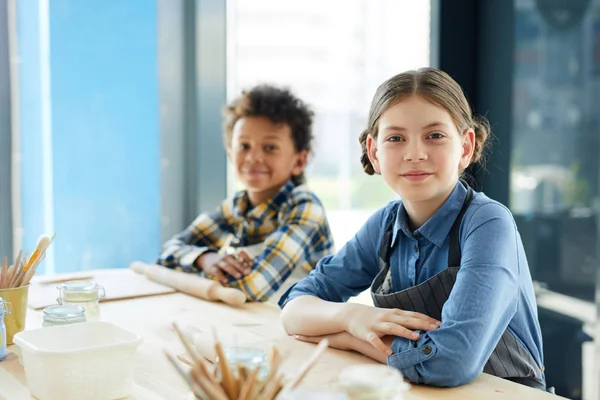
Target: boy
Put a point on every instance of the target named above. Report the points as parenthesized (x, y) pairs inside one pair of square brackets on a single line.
[(278, 226)]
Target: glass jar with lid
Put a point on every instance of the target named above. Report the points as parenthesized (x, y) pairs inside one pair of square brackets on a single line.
[(373, 382), (86, 294), (5, 309), (63, 315)]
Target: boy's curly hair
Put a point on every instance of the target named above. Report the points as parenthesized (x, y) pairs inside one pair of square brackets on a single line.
[(281, 107)]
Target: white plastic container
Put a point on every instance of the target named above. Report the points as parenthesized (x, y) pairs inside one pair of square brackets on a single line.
[(91, 361)]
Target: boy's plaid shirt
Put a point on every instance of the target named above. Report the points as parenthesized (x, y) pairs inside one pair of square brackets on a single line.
[(292, 225)]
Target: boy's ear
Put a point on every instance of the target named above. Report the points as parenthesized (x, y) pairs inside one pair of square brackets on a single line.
[(301, 160), (228, 149)]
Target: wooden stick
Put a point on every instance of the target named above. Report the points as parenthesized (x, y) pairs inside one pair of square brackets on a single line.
[(188, 347), (205, 367), (227, 379), (17, 273), (12, 270), (201, 370), (9, 274), (249, 384), (18, 259), (273, 362), (4, 272), (186, 377), (271, 389), (307, 365), (209, 388)]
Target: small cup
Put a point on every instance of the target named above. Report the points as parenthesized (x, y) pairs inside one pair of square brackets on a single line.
[(248, 357)]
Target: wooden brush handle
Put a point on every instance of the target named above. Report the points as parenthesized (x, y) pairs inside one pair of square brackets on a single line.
[(191, 284)]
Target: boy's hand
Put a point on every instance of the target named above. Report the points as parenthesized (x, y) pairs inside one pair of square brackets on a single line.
[(371, 323), (218, 265)]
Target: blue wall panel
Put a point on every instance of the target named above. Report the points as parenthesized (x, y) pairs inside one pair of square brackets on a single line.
[(105, 133)]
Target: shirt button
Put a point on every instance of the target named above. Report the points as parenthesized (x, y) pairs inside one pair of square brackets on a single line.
[(416, 248), (412, 283), (417, 235), (427, 350)]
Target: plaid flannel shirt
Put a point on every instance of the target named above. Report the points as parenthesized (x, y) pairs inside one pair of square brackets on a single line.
[(292, 225)]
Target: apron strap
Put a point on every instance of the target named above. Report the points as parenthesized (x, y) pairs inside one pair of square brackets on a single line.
[(454, 252), (385, 249)]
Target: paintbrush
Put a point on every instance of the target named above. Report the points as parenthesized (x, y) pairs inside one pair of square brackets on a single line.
[(43, 242)]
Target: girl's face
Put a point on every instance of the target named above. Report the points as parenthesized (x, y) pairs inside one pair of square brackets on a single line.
[(419, 151)]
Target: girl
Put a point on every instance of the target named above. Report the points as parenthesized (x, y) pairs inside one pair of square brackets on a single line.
[(445, 265)]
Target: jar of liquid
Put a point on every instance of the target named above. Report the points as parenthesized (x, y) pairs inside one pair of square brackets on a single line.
[(373, 382), (86, 294), (5, 309), (63, 315)]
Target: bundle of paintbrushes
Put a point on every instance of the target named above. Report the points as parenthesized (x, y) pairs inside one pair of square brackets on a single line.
[(22, 270), (237, 382)]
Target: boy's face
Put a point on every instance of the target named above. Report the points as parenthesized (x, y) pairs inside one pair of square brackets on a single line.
[(264, 156)]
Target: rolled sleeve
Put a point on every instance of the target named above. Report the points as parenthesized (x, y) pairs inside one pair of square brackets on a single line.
[(406, 356)]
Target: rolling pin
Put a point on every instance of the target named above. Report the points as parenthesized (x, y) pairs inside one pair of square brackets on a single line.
[(193, 285)]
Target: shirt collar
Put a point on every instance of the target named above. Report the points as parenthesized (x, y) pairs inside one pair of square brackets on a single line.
[(243, 209), (437, 228)]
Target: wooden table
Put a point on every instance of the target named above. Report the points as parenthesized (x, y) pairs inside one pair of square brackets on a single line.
[(155, 379)]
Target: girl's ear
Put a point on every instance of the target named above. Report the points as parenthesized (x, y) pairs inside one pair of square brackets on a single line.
[(372, 153), (301, 160), (467, 147)]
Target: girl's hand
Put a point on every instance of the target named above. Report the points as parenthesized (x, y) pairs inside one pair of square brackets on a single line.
[(371, 323), (340, 341), (218, 265), (345, 341)]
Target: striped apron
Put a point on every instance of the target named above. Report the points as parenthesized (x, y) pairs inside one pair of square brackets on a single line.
[(509, 360)]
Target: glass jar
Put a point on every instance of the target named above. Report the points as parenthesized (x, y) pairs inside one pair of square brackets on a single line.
[(5, 309), (371, 382), (86, 294), (248, 357), (63, 315)]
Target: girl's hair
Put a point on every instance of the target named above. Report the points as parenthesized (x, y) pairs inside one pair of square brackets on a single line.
[(434, 86), (280, 106)]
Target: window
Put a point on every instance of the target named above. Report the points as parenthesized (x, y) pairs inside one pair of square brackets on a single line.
[(556, 138), (332, 54)]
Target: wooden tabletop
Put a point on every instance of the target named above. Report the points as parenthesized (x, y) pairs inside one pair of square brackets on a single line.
[(155, 378)]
